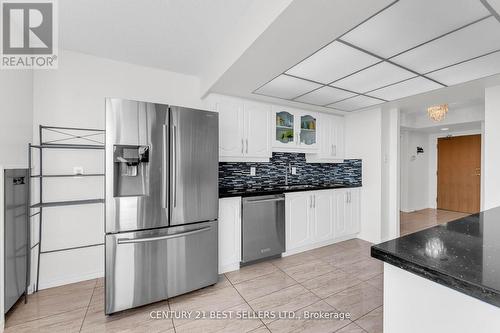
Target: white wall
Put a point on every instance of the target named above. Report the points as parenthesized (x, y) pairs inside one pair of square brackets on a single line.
[(16, 110), (390, 199), (415, 177), (491, 140), (73, 96), (363, 140)]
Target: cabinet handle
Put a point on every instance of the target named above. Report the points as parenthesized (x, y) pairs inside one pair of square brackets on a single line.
[(314, 201), (242, 146), (334, 150), (331, 150), (247, 145), (310, 201)]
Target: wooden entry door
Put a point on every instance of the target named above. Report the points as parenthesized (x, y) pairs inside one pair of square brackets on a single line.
[(459, 173)]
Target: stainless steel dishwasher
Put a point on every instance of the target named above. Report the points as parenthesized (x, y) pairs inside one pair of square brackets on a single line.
[(263, 234)]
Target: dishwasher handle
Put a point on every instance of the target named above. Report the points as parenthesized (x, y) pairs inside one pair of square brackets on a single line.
[(264, 200), (152, 239)]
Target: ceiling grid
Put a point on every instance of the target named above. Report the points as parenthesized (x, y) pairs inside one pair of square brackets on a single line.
[(392, 55)]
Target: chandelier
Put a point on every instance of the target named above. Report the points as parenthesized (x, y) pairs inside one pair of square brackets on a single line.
[(437, 112)]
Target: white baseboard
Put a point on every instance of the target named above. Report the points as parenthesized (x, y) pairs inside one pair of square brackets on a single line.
[(69, 280), (318, 244), (229, 268)]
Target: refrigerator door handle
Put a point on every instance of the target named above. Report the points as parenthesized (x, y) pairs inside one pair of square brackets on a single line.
[(164, 191), (153, 239), (174, 165)]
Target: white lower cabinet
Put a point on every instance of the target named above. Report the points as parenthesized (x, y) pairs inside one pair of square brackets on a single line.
[(298, 219), (229, 234), (316, 218), (322, 223)]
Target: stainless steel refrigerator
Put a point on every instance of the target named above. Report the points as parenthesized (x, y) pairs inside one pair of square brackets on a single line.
[(161, 202)]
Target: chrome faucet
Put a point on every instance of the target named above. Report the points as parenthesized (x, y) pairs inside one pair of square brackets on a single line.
[(287, 169)]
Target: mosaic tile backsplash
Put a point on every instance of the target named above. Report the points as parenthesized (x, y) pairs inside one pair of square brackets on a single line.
[(236, 175)]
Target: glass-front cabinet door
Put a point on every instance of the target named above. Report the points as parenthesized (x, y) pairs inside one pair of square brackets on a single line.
[(285, 128), (308, 133)]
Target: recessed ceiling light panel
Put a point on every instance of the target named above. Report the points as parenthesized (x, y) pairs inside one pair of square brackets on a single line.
[(407, 88), (409, 23), (374, 77), (475, 40), (324, 95), (333, 62), (469, 70), (355, 103), (286, 87)]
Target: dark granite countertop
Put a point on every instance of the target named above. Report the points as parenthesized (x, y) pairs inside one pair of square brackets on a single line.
[(248, 192), (463, 255)]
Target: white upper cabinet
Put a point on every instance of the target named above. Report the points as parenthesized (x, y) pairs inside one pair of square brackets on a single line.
[(244, 130), (294, 130), (231, 131), (257, 130), (330, 138)]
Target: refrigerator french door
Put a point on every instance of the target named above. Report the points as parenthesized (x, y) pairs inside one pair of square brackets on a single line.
[(161, 202)]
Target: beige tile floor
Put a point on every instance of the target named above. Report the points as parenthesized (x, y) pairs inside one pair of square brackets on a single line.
[(425, 218), (339, 278)]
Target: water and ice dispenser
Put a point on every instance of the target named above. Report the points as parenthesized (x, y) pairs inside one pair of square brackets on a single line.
[(131, 168)]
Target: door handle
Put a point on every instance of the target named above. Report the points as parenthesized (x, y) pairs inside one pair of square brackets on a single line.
[(247, 145), (153, 239), (164, 191), (310, 201), (334, 150), (314, 196), (174, 165), (242, 147), (331, 150)]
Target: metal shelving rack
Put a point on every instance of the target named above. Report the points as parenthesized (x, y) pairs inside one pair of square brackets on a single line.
[(67, 134)]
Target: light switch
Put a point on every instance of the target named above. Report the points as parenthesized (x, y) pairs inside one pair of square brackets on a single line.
[(294, 170), (252, 171)]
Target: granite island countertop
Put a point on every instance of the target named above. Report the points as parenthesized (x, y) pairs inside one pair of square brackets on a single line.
[(463, 255), (279, 189)]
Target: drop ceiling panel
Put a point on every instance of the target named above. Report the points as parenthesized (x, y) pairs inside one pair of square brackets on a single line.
[(374, 77), (470, 70), (409, 23), (475, 40), (333, 62), (286, 87), (325, 95), (407, 88), (355, 103)]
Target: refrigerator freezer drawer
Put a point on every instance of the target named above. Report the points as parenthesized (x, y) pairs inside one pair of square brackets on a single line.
[(149, 266)]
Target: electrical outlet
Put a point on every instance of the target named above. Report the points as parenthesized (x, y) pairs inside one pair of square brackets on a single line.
[(252, 171), (78, 170), (294, 170)]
